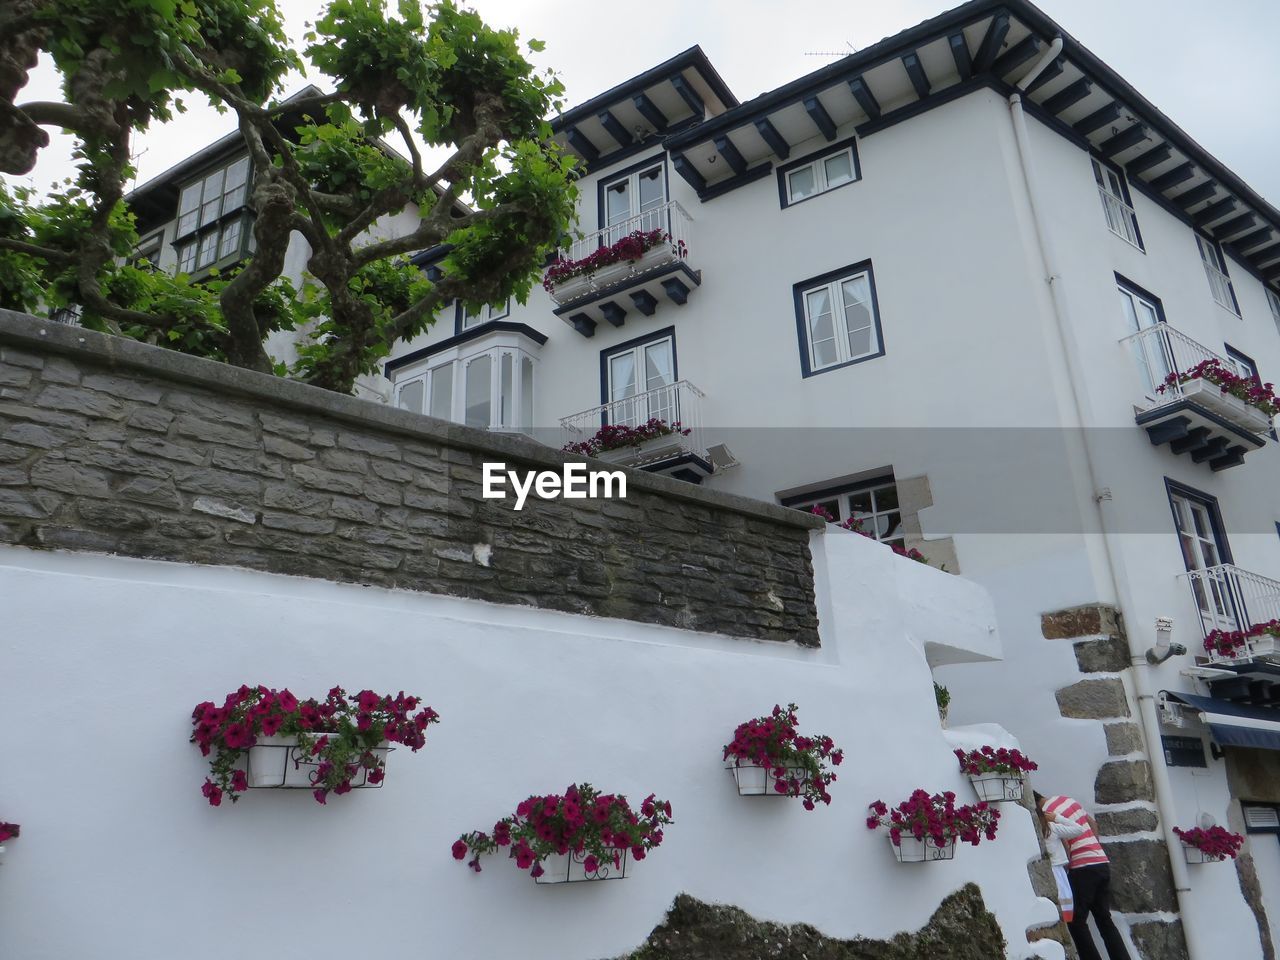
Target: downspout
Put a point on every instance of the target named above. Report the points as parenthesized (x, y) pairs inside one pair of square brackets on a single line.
[(1101, 496)]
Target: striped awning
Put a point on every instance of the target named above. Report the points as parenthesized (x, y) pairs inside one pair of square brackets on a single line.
[(1235, 724)]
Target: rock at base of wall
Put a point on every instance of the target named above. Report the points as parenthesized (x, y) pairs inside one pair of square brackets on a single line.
[(1141, 879), (961, 929), (1093, 700), (1158, 940)]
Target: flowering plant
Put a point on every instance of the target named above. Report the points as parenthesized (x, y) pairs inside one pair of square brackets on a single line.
[(1215, 842), (798, 763), (340, 732), (614, 436), (9, 831), (599, 827), (854, 525), (1249, 389), (631, 247), (987, 759), (1229, 643), (935, 817)]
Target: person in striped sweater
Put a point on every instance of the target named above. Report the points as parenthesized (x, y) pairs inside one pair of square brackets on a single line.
[(1089, 874)]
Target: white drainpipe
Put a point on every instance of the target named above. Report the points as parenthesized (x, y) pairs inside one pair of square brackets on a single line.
[(1102, 499)]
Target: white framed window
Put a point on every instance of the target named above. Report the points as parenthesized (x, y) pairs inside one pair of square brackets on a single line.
[(874, 503), (147, 254), (1153, 353), (486, 313), (216, 193), (839, 322), (1121, 218), (826, 172), (1273, 299), (1215, 269), (641, 382), (491, 389), (634, 201), (187, 257)]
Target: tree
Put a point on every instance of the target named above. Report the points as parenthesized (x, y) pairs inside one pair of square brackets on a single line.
[(460, 85)]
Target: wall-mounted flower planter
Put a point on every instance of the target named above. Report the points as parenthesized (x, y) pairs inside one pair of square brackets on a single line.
[(1209, 844), (996, 788), (910, 850), (280, 762), (655, 448), (756, 780), (1196, 855), (573, 867)]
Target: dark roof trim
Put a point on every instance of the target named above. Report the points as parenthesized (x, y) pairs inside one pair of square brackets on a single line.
[(475, 333), (693, 57)]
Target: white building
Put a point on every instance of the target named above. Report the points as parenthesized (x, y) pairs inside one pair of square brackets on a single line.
[(935, 285)]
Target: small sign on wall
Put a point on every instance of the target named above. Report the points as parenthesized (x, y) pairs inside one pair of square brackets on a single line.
[(1183, 752)]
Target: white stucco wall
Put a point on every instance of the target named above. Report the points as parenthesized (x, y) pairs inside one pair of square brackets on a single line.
[(104, 659)]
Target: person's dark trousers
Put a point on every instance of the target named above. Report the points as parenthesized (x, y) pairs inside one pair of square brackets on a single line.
[(1091, 890)]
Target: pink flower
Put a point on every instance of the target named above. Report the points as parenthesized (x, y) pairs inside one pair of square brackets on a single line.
[(590, 864), (239, 783), (459, 850), (212, 792)]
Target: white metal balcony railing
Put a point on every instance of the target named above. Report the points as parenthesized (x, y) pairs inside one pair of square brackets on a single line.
[(1160, 350), (1229, 598), (1120, 218), (679, 402), (1220, 285)]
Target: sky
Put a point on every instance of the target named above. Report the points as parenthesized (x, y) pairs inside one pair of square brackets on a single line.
[(1212, 69)]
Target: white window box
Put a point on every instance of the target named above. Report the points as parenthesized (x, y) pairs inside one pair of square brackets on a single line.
[(585, 284), (754, 780), (649, 451), (568, 868), (1231, 408), (1196, 855), (911, 850), (1255, 648), (279, 762), (996, 787)]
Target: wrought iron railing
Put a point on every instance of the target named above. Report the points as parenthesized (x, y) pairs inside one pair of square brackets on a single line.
[(679, 402), (1160, 350), (1120, 218), (668, 217), (1229, 598)]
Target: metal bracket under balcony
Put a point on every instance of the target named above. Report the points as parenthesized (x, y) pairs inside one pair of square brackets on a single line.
[(636, 293), (1194, 417)]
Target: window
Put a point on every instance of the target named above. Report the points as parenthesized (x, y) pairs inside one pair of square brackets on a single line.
[(1215, 268), (1243, 366), (1202, 540), (209, 198), (1153, 353), (873, 502), (1261, 817), (468, 319), (639, 380), (147, 254), (1273, 299), (635, 200), (837, 319), (817, 174), (1121, 218), (490, 390)]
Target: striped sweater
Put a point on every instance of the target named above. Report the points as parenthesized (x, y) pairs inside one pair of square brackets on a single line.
[(1085, 849)]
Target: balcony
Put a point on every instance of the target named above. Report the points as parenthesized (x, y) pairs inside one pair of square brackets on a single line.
[(1190, 412), (1232, 600), (678, 453), (659, 273)]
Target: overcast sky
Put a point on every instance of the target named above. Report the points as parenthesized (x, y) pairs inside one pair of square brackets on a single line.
[(1212, 68)]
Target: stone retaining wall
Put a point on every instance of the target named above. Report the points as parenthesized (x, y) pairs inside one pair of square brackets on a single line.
[(114, 446)]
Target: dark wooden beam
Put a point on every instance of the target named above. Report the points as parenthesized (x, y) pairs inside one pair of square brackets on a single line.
[(991, 43), (821, 119), (1173, 429), (613, 126), (1124, 140), (578, 140), (615, 313), (1071, 93), (1179, 174), (645, 302), (1215, 211), (1197, 194), (1017, 55), (1232, 458), (1251, 240), (1211, 450), (684, 166), (866, 99), (915, 71), (1152, 158), (1099, 118), (676, 289), (1272, 273), (649, 110), (689, 95), (769, 133), (1224, 231), (960, 54), (726, 149), (1047, 74), (1194, 440), (583, 324)]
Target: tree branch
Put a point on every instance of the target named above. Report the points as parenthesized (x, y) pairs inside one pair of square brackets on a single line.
[(51, 113), (33, 250)]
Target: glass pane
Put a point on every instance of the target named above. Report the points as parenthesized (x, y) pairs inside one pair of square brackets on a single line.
[(802, 183), (208, 249), (234, 190), (470, 319), (651, 192), (839, 169), (1206, 252), (442, 392), (190, 198), (822, 334), (657, 365), (500, 311), (230, 239), (187, 258), (617, 197), (886, 498), (212, 198), (479, 392), (1097, 174), (622, 376), (525, 417), (856, 294), (410, 396), (506, 389), (860, 502), (887, 524)]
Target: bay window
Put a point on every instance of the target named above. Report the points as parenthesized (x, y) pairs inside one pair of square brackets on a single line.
[(490, 389)]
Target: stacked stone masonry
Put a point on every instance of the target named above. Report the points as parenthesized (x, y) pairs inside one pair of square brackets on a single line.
[(113, 446)]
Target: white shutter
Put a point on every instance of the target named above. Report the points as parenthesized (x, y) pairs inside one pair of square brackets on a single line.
[(1261, 818)]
